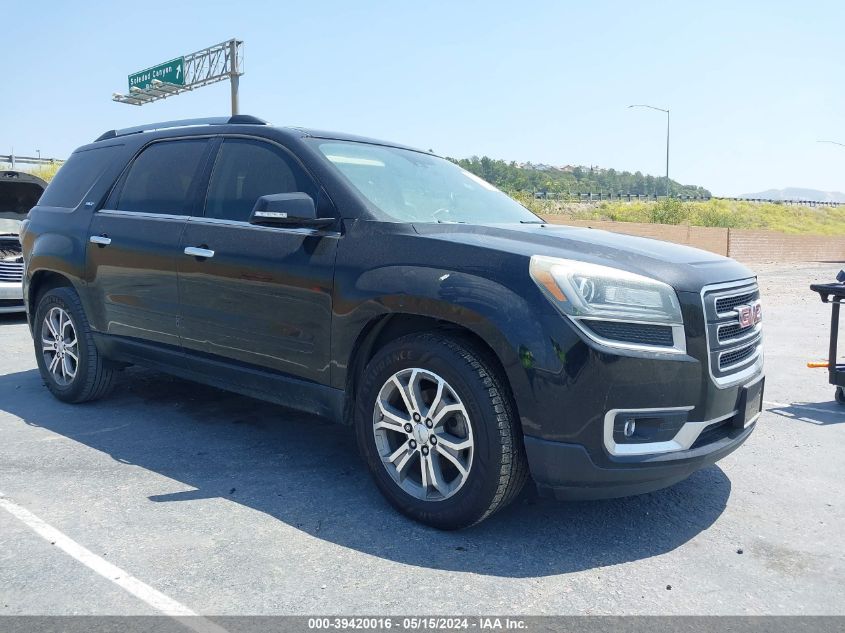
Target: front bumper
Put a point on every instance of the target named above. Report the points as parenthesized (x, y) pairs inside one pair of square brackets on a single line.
[(567, 471), (683, 411), (11, 298)]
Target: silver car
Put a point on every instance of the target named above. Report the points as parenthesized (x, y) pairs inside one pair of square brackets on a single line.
[(11, 266), (19, 192)]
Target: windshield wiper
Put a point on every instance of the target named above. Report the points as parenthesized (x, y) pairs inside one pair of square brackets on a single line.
[(531, 222), (450, 221)]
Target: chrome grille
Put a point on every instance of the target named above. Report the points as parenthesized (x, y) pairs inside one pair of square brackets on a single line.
[(11, 271), (734, 357), (733, 332), (734, 351), (726, 304)]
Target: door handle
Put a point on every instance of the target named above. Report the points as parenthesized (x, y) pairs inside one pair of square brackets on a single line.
[(203, 253), (100, 240)]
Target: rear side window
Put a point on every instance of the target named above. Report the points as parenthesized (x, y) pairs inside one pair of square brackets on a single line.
[(77, 176), (244, 171), (162, 178)]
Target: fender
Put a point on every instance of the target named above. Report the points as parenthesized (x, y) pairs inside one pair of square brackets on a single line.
[(493, 312), (59, 252)]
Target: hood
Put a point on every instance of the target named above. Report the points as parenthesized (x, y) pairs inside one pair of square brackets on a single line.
[(684, 268)]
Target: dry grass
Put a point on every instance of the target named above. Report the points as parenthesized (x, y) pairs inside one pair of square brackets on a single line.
[(719, 213), (45, 172)]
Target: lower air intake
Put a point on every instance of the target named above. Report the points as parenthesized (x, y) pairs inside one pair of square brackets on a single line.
[(638, 333)]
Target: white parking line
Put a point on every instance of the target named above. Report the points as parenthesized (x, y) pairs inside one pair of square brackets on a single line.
[(127, 582), (782, 405)]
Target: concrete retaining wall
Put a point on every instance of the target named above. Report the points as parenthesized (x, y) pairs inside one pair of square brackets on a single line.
[(742, 244)]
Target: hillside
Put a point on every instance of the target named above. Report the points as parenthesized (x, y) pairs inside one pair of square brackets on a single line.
[(797, 193), (513, 177), (733, 214), (527, 177)]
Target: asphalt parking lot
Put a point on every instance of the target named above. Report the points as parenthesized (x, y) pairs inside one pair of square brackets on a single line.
[(227, 505)]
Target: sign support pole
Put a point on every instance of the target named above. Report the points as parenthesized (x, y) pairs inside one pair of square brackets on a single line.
[(234, 78), (191, 71)]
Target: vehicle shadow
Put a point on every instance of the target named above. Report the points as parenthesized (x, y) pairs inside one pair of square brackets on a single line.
[(307, 473), (820, 414)]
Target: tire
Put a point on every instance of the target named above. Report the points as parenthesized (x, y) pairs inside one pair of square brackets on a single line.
[(86, 378), (840, 395), (473, 421)]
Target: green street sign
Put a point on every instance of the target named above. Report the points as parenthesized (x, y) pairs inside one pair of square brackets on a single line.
[(172, 72)]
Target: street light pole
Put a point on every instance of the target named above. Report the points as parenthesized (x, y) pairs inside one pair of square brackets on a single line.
[(642, 105), (667, 153)]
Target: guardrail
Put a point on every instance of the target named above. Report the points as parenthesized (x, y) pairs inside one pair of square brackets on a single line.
[(13, 159), (637, 197)]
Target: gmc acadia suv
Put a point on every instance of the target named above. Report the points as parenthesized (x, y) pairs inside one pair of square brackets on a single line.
[(468, 342)]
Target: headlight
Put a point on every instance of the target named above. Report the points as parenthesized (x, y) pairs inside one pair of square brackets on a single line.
[(612, 306)]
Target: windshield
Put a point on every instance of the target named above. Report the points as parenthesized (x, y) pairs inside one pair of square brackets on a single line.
[(415, 187)]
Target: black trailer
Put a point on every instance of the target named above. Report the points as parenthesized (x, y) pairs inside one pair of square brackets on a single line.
[(834, 294)]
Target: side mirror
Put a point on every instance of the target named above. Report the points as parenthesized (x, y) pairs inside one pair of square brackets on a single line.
[(287, 209)]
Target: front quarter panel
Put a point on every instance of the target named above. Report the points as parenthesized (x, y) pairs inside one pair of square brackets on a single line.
[(387, 270)]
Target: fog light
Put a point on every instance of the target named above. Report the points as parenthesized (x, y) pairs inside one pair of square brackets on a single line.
[(652, 425)]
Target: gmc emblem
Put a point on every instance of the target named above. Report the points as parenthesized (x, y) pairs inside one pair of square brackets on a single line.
[(749, 315)]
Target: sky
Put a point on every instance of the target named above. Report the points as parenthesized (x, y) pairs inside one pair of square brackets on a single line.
[(752, 86)]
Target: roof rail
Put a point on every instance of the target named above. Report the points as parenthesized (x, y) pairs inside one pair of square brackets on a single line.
[(243, 119)]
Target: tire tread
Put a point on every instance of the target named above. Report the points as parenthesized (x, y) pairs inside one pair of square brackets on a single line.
[(513, 464), (97, 375), (514, 470)]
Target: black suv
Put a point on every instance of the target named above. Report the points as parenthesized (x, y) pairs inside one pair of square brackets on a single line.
[(468, 342)]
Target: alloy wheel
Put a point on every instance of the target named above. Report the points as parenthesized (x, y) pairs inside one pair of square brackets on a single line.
[(423, 434), (60, 346)]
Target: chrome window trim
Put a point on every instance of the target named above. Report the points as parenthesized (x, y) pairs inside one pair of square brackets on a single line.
[(142, 214), (683, 440), (298, 230)]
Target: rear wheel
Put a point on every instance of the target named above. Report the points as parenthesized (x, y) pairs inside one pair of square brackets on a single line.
[(437, 429), (840, 395), (69, 362)]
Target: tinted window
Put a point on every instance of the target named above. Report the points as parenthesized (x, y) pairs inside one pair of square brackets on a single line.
[(244, 171), (161, 179), (77, 176)]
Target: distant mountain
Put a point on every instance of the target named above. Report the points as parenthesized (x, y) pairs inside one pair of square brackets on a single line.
[(798, 193)]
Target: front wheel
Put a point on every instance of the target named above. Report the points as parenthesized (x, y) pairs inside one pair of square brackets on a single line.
[(70, 364), (840, 395), (438, 431)]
